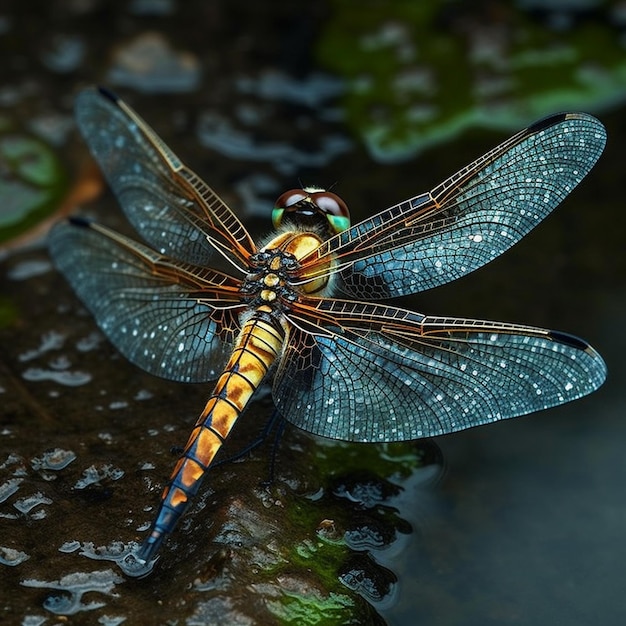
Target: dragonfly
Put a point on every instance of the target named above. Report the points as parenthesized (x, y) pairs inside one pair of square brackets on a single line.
[(306, 308)]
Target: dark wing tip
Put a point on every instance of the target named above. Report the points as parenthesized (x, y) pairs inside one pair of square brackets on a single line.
[(557, 118), (569, 340), (107, 93), (546, 122), (77, 220), (597, 366)]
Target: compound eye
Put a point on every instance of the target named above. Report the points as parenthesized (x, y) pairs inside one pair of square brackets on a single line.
[(330, 203), (289, 198), (335, 209)]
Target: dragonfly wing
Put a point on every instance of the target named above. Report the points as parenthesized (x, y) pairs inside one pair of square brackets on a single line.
[(170, 318), (169, 205), (366, 372), (468, 220)]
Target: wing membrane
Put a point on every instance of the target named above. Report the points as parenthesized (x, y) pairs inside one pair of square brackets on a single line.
[(412, 376), (469, 219), (169, 205), (172, 319)]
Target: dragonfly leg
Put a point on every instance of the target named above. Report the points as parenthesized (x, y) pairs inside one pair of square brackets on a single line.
[(255, 443), (278, 419)]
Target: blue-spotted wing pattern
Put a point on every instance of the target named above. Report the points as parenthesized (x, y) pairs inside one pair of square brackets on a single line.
[(172, 319), (170, 206), (469, 219), (414, 376)]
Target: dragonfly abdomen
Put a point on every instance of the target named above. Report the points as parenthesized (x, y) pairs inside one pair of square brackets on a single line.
[(259, 343)]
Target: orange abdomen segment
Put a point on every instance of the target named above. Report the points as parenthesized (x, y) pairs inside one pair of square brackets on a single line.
[(257, 347)]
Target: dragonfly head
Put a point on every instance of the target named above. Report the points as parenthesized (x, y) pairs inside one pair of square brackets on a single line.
[(312, 208)]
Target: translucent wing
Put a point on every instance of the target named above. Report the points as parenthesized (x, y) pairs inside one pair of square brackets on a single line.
[(366, 372), (172, 319), (468, 220), (169, 206)]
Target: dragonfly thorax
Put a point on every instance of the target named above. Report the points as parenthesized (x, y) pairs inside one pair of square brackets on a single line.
[(268, 279), (274, 269)]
